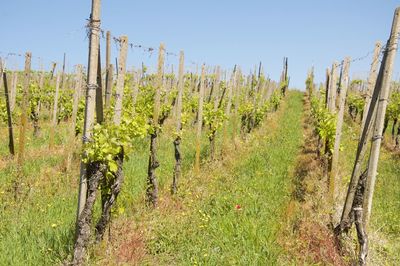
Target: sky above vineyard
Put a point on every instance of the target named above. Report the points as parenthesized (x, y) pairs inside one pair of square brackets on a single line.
[(308, 32)]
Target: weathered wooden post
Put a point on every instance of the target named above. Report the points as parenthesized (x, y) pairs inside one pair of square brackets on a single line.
[(109, 84), (90, 93), (177, 141), (284, 79), (1, 72), (75, 103), (35, 112), (334, 173), (326, 85), (152, 185), (63, 74), (332, 89), (99, 91), (120, 80), (214, 94), (199, 121), (54, 114), (135, 88), (13, 92), (109, 71), (238, 87), (9, 115), (53, 68), (86, 198), (373, 74), (24, 108), (231, 89)]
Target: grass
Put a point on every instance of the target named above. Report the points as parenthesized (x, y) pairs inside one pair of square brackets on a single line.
[(37, 227), (231, 214)]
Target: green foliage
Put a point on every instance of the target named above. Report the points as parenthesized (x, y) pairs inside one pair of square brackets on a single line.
[(393, 108), (283, 85), (65, 103), (310, 84), (356, 82), (80, 116), (356, 102), (108, 140), (246, 109), (35, 96), (190, 104), (324, 122), (275, 100), (253, 114), (48, 95), (214, 118), (3, 111)]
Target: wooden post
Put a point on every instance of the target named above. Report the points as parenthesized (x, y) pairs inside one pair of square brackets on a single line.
[(327, 81), (216, 84), (13, 92), (41, 88), (9, 115), (75, 104), (237, 86), (120, 80), (331, 100), (99, 92), (373, 74), (152, 185), (388, 65), (63, 74), (24, 108), (54, 115), (231, 89), (215, 89), (177, 141), (233, 84), (284, 78), (135, 88), (365, 136), (78, 86), (332, 89), (116, 66), (109, 71), (53, 68), (109, 84), (159, 84), (88, 190), (199, 121), (108, 48), (1, 72), (334, 173), (90, 95)]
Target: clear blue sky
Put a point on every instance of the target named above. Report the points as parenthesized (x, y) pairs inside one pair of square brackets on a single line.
[(309, 32)]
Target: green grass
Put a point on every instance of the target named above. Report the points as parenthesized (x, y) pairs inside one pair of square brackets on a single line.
[(37, 228), (206, 228), (212, 231)]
